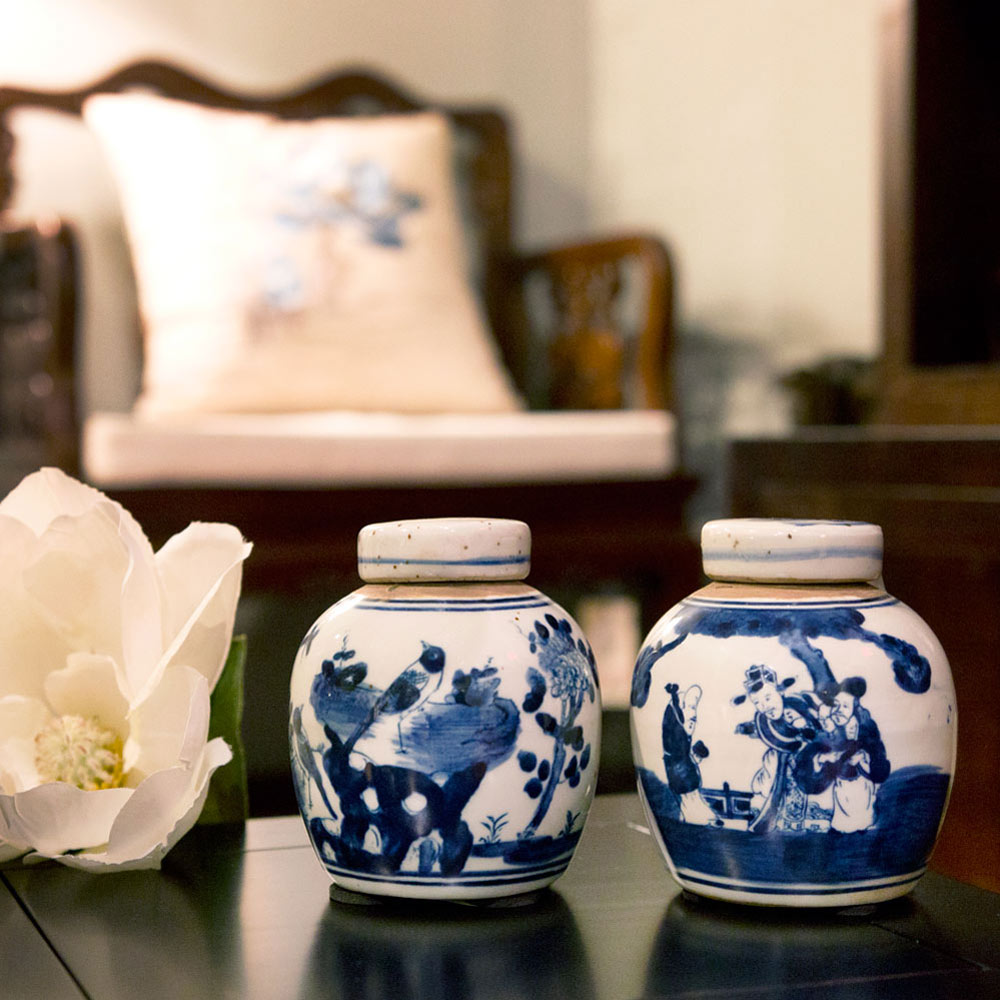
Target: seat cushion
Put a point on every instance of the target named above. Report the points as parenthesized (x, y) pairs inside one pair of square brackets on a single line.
[(372, 449)]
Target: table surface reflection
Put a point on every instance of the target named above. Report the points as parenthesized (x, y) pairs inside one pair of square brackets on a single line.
[(247, 913)]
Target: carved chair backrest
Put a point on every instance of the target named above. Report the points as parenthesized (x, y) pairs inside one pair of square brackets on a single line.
[(481, 144), (588, 354)]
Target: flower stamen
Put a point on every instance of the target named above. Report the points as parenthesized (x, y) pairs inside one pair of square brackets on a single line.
[(79, 751)]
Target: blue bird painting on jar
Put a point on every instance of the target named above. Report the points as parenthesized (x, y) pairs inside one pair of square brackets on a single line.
[(444, 725)]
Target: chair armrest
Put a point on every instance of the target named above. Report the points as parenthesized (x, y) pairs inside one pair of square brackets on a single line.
[(596, 323)]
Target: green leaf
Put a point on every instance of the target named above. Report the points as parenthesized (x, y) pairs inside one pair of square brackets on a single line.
[(228, 799)]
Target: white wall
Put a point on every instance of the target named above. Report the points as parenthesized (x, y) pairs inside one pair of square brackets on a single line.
[(755, 128), (746, 134)]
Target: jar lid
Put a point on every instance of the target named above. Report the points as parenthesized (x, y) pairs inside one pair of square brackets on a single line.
[(444, 548), (774, 550)]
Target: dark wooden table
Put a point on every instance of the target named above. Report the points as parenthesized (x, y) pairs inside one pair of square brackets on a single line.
[(236, 914)]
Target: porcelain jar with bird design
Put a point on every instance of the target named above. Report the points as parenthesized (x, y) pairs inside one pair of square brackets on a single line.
[(445, 718), (793, 724)]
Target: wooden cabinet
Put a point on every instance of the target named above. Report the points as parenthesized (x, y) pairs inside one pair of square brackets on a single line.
[(941, 206), (936, 493)]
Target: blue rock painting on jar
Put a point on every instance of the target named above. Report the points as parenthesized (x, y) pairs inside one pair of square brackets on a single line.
[(825, 802), (447, 726)]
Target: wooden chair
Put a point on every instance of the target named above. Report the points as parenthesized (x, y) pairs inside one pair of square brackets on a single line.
[(589, 533)]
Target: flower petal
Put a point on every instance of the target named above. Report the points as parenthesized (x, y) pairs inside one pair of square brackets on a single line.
[(141, 608), (20, 719), (75, 580), (20, 716), (162, 809), (201, 570), (90, 685), (8, 852), (58, 817), (93, 571), (171, 725), (18, 766), (28, 645), (46, 495)]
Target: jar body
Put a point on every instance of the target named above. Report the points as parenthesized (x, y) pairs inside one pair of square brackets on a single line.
[(794, 743), (444, 739)]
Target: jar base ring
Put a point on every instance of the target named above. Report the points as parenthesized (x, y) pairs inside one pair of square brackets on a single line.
[(348, 897), (346, 889), (801, 897)]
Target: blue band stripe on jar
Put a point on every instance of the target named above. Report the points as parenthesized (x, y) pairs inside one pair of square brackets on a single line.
[(476, 879), (480, 561), (792, 555), (807, 522), (737, 885), (494, 602), (759, 605), (456, 606)]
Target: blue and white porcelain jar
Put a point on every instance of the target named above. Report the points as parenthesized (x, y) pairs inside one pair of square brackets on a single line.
[(445, 718), (793, 725)]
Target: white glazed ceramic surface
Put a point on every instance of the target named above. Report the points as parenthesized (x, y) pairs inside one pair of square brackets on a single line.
[(794, 743), (445, 548), (445, 736), (779, 550)]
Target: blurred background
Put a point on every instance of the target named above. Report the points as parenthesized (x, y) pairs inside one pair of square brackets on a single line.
[(745, 135)]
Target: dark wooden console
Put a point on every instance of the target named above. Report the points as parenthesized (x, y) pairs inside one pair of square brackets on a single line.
[(936, 493)]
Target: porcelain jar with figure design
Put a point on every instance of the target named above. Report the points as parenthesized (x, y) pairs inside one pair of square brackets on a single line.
[(444, 718), (793, 725)]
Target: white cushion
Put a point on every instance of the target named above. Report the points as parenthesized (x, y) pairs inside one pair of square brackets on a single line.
[(297, 265), (377, 449)]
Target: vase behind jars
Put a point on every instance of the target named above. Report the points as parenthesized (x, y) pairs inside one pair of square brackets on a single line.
[(793, 724), (445, 718)]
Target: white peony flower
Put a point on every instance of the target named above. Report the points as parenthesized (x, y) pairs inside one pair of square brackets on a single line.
[(108, 655)]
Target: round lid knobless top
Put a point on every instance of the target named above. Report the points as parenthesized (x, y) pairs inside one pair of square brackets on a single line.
[(444, 549), (792, 551)]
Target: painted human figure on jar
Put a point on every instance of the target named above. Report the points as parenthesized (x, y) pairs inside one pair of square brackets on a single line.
[(784, 722), (848, 756)]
